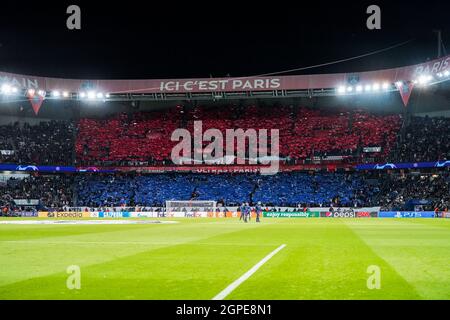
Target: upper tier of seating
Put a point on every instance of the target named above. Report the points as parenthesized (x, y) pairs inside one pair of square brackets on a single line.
[(46, 143), (424, 139), (145, 137)]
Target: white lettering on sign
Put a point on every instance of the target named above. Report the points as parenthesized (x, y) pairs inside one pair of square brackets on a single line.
[(437, 66), (220, 85), (20, 82)]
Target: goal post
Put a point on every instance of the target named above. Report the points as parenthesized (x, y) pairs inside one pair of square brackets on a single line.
[(190, 207)]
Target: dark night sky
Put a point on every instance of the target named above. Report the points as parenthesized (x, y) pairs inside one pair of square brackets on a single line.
[(127, 39)]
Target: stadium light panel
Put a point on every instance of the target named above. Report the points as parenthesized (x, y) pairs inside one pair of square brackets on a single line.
[(446, 73), (14, 90), (99, 95), (359, 88), (368, 88), (349, 89), (82, 94), (56, 94), (341, 89), (376, 87), (65, 94), (107, 95), (91, 95), (424, 79), (5, 88), (385, 86)]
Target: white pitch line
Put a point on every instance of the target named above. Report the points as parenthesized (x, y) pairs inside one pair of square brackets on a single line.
[(222, 295)]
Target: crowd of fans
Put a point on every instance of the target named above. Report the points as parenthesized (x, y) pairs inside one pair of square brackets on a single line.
[(54, 192), (304, 132), (428, 191), (284, 189), (297, 189), (145, 137), (46, 143), (424, 139)]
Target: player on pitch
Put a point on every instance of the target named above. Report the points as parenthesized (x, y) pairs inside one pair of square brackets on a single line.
[(258, 209)]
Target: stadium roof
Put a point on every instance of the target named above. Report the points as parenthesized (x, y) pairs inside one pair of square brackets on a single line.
[(436, 70), (174, 39)]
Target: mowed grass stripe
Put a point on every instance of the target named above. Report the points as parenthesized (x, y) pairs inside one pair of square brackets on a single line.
[(324, 259), (420, 255), (185, 271), (329, 262), (21, 261)]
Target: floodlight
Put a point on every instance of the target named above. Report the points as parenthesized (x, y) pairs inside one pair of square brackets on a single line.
[(5, 88), (91, 95)]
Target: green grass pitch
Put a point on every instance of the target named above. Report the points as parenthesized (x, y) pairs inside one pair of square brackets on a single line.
[(197, 259)]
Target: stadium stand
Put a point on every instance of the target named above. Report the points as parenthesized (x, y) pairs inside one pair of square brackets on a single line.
[(54, 191), (303, 132), (423, 139), (285, 189), (139, 139), (47, 143), (388, 190), (126, 138), (403, 191), (155, 189), (291, 189), (391, 191)]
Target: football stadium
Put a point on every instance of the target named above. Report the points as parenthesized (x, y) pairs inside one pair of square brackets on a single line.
[(321, 186)]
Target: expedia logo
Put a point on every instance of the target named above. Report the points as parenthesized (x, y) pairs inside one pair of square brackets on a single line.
[(69, 215), (64, 215)]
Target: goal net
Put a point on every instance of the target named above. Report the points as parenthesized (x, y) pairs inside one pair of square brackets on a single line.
[(189, 208)]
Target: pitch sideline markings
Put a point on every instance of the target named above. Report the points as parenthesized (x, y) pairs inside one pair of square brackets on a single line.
[(223, 294)]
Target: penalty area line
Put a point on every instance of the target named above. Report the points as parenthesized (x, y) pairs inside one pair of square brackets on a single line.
[(222, 295)]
